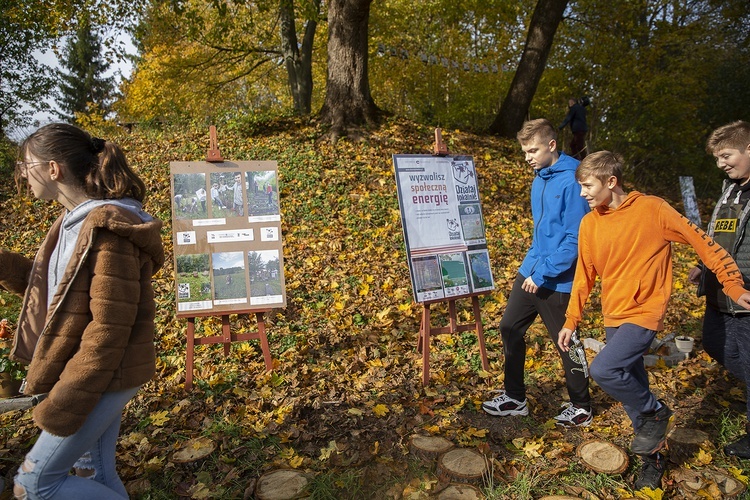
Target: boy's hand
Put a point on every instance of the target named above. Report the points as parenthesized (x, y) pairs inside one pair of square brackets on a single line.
[(694, 275), (563, 338), (744, 300), (529, 285)]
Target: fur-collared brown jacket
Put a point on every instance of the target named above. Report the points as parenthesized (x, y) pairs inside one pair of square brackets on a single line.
[(98, 334)]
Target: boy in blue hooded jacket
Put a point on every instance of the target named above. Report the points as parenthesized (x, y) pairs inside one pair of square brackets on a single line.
[(544, 281)]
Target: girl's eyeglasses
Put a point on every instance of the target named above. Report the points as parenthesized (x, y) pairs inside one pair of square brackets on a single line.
[(25, 166)]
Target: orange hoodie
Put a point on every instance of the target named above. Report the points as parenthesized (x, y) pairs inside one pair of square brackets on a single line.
[(630, 249)]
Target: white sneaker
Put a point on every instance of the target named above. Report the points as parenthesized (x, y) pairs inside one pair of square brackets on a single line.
[(574, 416), (503, 405)]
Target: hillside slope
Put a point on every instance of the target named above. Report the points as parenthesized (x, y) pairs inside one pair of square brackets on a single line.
[(346, 392)]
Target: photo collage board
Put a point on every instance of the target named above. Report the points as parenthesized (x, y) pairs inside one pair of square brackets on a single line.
[(226, 228), (443, 226)]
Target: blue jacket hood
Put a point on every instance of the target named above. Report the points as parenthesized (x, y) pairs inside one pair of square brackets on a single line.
[(557, 209)]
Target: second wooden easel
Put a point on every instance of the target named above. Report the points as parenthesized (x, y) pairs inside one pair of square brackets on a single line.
[(426, 330)]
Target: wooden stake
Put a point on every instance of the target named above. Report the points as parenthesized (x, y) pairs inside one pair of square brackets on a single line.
[(213, 155)]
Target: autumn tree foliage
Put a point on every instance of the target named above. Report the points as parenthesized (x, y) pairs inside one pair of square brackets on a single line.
[(83, 86)]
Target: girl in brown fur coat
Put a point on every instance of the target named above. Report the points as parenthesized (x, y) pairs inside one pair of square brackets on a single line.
[(86, 328)]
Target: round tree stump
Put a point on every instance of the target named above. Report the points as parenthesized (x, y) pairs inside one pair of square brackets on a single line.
[(428, 448), (713, 482), (560, 497), (684, 443), (194, 450), (602, 456), (282, 484), (460, 492), (461, 465)]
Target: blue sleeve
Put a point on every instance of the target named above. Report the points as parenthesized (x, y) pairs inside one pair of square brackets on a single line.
[(565, 256)]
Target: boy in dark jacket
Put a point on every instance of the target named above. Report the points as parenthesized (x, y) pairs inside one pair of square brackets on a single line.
[(577, 118), (544, 280), (726, 325)]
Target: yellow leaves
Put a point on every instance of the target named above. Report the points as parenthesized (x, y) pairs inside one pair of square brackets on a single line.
[(703, 457), (159, 418), (738, 475), (532, 448), (364, 289), (649, 494), (290, 456), (355, 412), (325, 453), (380, 410)]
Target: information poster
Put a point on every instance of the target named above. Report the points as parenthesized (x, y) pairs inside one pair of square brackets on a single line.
[(443, 226), (226, 226)]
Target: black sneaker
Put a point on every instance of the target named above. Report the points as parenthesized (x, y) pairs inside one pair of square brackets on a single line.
[(740, 448), (652, 434), (652, 470)]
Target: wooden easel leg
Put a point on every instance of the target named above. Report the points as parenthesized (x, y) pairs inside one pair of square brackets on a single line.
[(226, 332), (425, 337), (480, 333), (264, 341), (453, 320), (190, 354)]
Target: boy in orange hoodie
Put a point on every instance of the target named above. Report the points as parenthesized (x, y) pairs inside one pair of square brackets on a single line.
[(626, 240)]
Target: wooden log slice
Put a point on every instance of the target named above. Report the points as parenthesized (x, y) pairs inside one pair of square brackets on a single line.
[(685, 443), (460, 492), (560, 497), (729, 486), (428, 448), (603, 456), (461, 465), (282, 484), (194, 450)]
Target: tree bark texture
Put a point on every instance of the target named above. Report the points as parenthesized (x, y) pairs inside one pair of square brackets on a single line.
[(298, 59), (348, 102), (544, 22)]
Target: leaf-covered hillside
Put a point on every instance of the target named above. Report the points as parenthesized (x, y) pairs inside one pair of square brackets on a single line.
[(346, 392)]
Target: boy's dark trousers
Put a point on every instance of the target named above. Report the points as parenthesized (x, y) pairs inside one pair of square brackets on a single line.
[(726, 338), (521, 311), (620, 372)]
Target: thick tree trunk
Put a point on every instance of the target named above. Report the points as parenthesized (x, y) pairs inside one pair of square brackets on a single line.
[(544, 21), (348, 103), (298, 59)]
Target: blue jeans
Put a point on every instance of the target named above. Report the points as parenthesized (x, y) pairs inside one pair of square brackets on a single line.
[(620, 372), (726, 338), (45, 474)]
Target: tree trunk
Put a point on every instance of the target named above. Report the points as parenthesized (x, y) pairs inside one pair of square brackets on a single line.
[(544, 21), (348, 103), (298, 59)]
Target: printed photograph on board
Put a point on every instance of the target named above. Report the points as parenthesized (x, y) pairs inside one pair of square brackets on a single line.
[(264, 268), (229, 277), (190, 195), (221, 194), (481, 271), (472, 224), (453, 269), (263, 196), (194, 281), (428, 278)]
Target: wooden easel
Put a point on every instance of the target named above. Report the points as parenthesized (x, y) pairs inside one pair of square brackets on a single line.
[(426, 330), (227, 337)]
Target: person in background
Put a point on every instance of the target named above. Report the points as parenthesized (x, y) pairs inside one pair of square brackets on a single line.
[(726, 325), (542, 286), (626, 240), (86, 327), (576, 117)]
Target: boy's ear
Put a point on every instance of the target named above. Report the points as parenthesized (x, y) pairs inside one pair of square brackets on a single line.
[(611, 182), (553, 145)]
